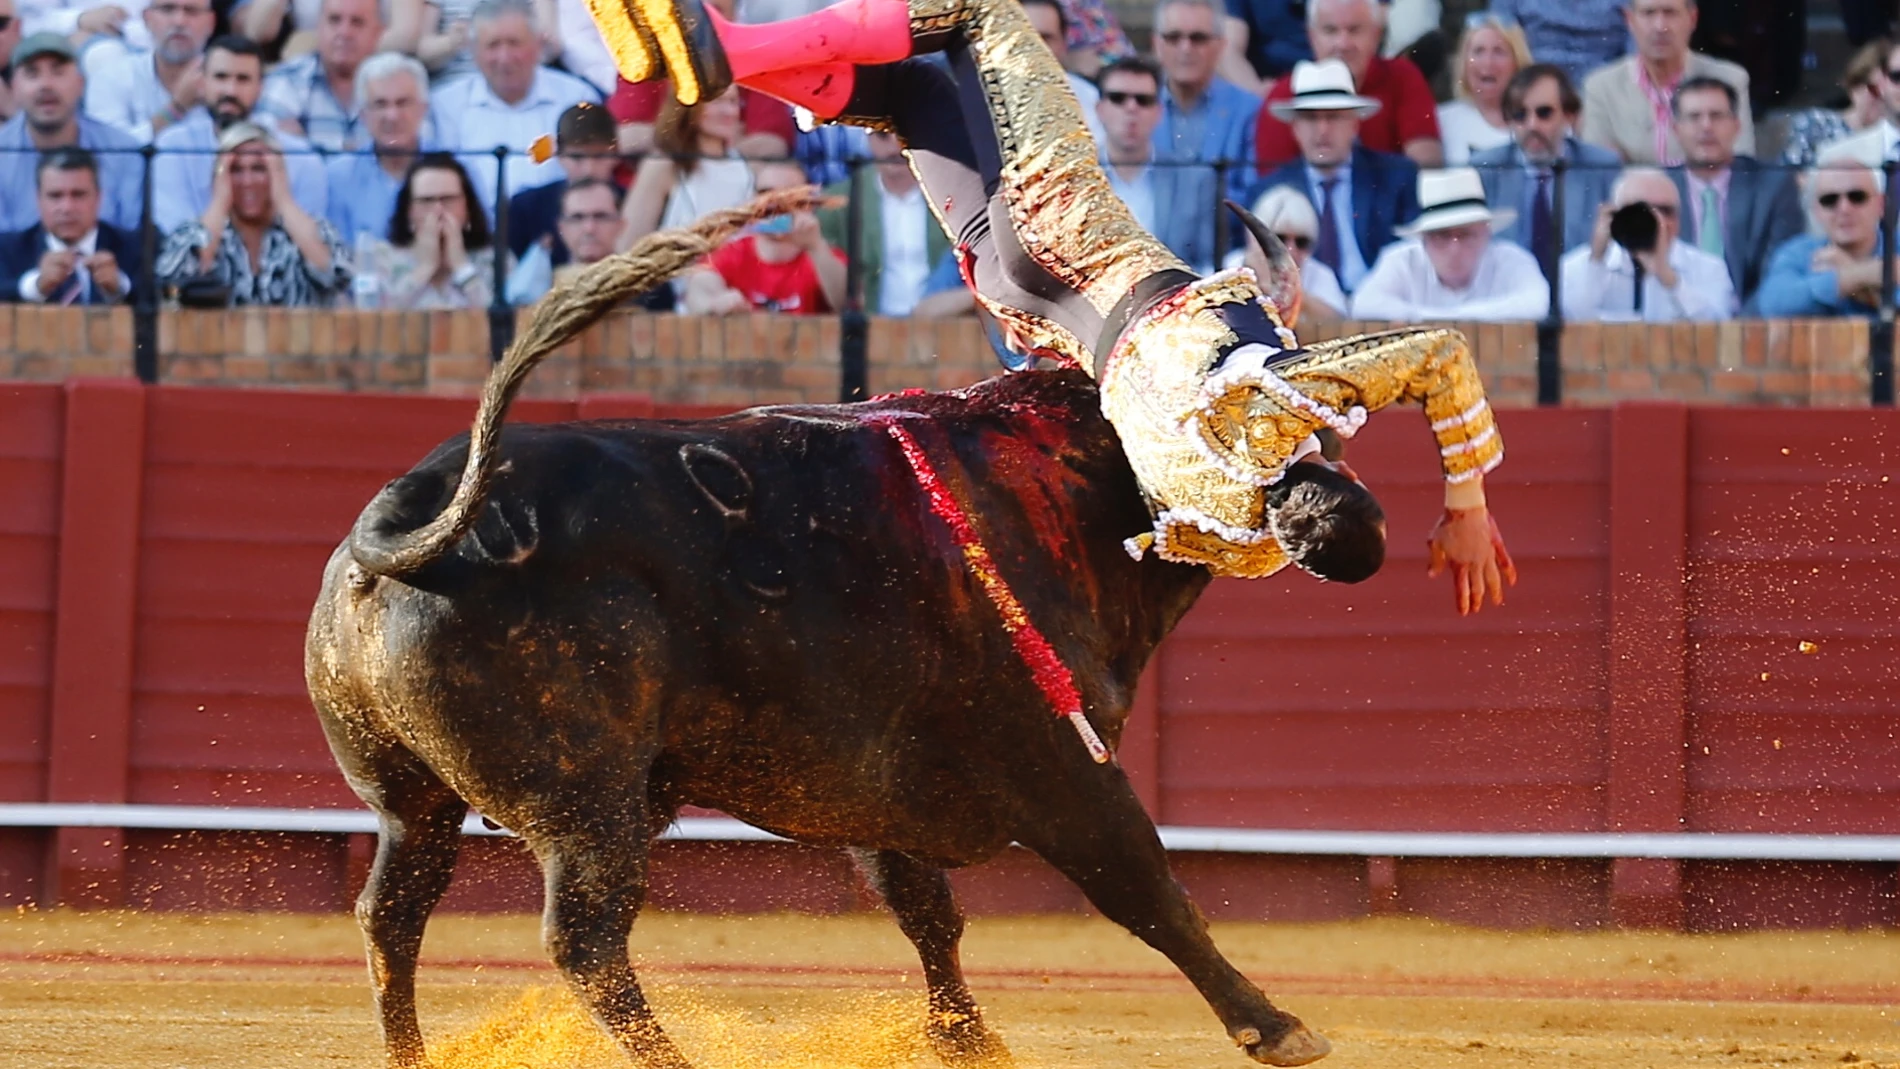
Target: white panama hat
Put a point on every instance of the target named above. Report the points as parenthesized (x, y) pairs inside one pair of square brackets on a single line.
[(1323, 86), (1452, 197)]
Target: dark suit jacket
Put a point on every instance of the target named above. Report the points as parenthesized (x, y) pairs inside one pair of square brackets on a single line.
[(1764, 210), (20, 252), (1591, 176), (1384, 195)]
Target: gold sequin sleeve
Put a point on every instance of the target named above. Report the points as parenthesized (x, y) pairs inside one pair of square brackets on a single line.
[(1431, 367)]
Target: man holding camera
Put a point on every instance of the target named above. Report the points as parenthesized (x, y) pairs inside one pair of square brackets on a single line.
[(1635, 269)]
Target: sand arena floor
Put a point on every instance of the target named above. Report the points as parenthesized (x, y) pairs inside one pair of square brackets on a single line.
[(144, 991)]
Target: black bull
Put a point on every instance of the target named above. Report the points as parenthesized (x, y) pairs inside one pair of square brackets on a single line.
[(763, 614)]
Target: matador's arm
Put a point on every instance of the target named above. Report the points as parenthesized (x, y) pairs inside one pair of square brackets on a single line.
[(1341, 381), (1431, 367)]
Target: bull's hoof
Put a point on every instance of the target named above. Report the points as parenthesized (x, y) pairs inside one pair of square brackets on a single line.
[(1298, 1047), (963, 1041)]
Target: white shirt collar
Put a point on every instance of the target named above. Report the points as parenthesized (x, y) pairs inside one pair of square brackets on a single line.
[(484, 97), (86, 245)]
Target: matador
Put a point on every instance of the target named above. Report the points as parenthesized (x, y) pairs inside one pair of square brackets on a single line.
[(1215, 402)]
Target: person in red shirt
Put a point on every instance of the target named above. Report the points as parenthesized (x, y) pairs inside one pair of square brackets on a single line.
[(1407, 121), (785, 265)]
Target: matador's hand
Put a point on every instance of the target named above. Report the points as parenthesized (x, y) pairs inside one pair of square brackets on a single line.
[(1468, 540)]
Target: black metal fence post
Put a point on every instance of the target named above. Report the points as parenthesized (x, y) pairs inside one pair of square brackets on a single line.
[(501, 315), (1219, 208), (1880, 335), (854, 327), (145, 287), (1550, 330)]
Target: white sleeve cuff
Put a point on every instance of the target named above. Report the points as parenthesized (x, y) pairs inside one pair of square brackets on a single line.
[(30, 287)]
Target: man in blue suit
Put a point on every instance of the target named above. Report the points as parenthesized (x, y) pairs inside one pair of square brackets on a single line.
[(69, 256), (1541, 105), (1175, 200), (1359, 194), (1204, 117)]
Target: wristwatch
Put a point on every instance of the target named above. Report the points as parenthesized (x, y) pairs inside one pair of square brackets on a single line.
[(463, 275)]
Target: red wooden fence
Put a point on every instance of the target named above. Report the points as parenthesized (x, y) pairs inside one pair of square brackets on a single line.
[(1703, 640)]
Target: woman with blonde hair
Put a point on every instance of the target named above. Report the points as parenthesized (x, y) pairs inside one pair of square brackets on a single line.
[(695, 167), (1490, 51), (254, 241), (1811, 130), (1286, 211)]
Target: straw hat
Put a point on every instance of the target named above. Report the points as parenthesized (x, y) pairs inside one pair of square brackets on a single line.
[(1323, 86), (1452, 197)]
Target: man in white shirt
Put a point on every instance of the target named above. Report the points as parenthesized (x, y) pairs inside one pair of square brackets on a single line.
[(144, 92), (899, 242), (509, 102), (1678, 280), (1446, 265)]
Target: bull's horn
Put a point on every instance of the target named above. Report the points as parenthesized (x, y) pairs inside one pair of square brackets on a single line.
[(1282, 284)]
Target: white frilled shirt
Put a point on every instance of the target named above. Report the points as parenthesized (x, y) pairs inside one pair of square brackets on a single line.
[(1403, 286), (1606, 291)]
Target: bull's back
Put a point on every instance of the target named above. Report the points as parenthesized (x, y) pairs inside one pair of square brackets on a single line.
[(784, 597)]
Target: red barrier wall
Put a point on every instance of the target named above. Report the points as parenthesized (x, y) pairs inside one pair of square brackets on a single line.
[(159, 548)]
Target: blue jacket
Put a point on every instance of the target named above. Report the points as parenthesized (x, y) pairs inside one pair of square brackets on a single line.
[(1384, 195), (1792, 287), (20, 252), (1227, 133)]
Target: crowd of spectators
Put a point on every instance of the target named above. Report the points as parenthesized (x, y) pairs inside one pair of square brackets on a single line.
[(375, 152)]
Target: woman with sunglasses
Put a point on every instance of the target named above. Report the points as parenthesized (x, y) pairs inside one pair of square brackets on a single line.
[(1286, 212), (1490, 51), (1838, 271)]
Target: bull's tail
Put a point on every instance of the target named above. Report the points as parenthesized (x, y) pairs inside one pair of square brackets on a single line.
[(381, 541)]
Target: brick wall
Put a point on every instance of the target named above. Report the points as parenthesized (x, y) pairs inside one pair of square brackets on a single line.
[(764, 359)]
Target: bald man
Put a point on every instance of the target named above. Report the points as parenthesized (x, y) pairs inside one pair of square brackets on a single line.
[(1677, 281)]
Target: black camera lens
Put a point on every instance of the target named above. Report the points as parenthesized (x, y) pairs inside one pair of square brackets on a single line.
[(1634, 227)]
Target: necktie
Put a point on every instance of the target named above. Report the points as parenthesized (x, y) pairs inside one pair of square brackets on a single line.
[(1326, 249), (1541, 228), (1709, 229), (71, 290)]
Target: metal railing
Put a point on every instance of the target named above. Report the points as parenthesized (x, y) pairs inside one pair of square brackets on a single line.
[(1207, 236)]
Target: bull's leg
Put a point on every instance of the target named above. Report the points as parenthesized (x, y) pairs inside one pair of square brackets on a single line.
[(1091, 826), (421, 829), (596, 877), (928, 914)]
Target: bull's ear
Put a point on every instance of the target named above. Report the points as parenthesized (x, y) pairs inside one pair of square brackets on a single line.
[(1282, 284)]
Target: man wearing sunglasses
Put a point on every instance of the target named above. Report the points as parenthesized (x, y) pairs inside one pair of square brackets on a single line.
[(1204, 117), (1171, 197), (1541, 106), (1838, 272), (1655, 277)]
